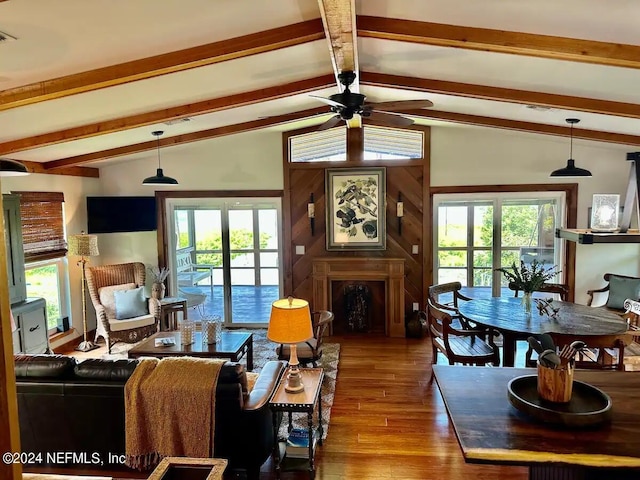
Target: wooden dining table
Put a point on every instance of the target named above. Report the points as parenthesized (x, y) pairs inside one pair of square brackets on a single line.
[(490, 430), (507, 315)]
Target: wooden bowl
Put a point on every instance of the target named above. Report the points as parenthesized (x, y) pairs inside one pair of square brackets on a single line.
[(588, 405)]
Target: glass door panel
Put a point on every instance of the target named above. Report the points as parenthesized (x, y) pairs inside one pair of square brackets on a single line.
[(476, 236), (236, 241)]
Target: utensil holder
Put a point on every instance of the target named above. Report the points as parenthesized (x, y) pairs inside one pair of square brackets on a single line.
[(555, 384), (187, 332)]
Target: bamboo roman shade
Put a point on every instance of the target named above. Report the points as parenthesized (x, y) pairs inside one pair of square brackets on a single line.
[(42, 218)]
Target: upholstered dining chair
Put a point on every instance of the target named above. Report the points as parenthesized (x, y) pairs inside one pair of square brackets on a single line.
[(106, 283), (458, 345), (617, 289), (311, 350)]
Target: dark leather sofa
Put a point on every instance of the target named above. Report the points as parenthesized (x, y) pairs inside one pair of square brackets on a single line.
[(72, 414)]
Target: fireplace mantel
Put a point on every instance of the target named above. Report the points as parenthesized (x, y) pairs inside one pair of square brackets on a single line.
[(389, 270)]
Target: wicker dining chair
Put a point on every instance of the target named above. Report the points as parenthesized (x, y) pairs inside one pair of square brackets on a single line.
[(102, 281)]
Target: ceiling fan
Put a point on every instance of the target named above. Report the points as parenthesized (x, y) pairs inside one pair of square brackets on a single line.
[(347, 104)]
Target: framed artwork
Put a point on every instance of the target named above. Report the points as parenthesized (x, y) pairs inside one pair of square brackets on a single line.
[(356, 208)]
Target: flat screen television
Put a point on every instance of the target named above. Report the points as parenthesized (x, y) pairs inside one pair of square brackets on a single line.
[(121, 214)]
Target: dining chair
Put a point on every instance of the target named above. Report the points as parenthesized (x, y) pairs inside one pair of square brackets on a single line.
[(559, 289), (459, 345), (311, 350), (452, 293), (603, 352)]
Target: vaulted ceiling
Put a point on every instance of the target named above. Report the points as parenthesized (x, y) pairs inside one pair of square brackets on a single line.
[(85, 83)]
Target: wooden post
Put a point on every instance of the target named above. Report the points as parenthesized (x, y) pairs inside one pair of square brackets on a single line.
[(9, 429)]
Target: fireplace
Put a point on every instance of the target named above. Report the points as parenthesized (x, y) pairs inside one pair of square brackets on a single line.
[(388, 270)]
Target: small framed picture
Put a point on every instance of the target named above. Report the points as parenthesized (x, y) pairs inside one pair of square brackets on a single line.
[(356, 208)]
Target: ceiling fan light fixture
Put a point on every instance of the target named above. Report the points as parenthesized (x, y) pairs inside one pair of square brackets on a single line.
[(159, 179), (571, 170), (12, 168)]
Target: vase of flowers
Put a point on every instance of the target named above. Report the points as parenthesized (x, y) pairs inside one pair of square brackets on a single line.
[(159, 275), (528, 278)]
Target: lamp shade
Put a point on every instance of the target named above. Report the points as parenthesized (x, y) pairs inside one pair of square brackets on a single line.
[(571, 171), (159, 179), (290, 321), (83, 245), (12, 168)]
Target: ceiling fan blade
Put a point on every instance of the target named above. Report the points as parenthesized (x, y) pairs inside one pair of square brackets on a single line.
[(390, 119), (332, 122), (328, 101), (400, 105)]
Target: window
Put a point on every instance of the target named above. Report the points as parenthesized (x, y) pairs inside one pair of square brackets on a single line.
[(325, 146), (48, 280), (476, 233), (377, 143), (45, 249), (392, 143)]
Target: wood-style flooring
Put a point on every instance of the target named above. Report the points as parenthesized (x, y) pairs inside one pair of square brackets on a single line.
[(387, 421)]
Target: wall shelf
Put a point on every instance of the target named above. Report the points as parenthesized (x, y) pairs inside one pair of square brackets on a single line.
[(587, 237)]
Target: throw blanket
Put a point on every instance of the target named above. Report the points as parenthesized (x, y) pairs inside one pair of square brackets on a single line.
[(170, 410)]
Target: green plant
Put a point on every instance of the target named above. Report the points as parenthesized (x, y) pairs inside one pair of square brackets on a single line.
[(528, 278)]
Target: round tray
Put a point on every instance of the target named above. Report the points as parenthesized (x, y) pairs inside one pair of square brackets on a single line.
[(588, 405)]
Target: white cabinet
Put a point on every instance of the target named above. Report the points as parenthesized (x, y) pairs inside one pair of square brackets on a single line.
[(31, 319)]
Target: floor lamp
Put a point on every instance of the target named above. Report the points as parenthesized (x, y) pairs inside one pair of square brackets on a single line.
[(84, 246), (290, 323)]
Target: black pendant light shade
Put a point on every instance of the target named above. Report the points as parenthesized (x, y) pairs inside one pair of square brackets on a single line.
[(12, 168), (159, 178), (571, 170)]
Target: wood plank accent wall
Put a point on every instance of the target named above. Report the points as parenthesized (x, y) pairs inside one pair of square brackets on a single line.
[(410, 177)]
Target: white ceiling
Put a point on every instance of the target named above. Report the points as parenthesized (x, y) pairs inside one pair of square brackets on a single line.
[(70, 42)]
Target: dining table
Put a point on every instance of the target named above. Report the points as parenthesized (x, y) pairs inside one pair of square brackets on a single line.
[(508, 316), (490, 430)]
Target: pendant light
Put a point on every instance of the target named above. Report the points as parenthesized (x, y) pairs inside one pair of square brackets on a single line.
[(571, 170), (12, 168), (159, 178)]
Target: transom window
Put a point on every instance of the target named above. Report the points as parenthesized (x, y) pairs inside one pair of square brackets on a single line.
[(377, 143)]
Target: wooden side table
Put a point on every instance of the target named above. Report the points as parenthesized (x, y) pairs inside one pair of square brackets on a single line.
[(169, 308), (303, 402)]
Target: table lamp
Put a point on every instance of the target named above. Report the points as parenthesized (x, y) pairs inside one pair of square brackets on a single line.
[(84, 246), (290, 323)]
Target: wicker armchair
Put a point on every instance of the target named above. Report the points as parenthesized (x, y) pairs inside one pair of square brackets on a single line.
[(120, 277)]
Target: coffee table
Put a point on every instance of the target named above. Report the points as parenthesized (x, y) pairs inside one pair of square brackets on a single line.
[(232, 345)]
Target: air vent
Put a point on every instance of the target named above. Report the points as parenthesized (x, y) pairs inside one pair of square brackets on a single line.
[(178, 120), (539, 108), (5, 37)]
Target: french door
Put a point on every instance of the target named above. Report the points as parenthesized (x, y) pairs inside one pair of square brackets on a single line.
[(238, 240), (476, 233)]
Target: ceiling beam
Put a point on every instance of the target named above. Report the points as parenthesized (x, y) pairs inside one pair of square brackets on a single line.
[(185, 138), (38, 167), (167, 114), (500, 41), (529, 127), (339, 21), (172, 62), (500, 94), (475, 120)]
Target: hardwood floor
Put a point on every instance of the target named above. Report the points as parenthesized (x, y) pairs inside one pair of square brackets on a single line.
[(387, 422)]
